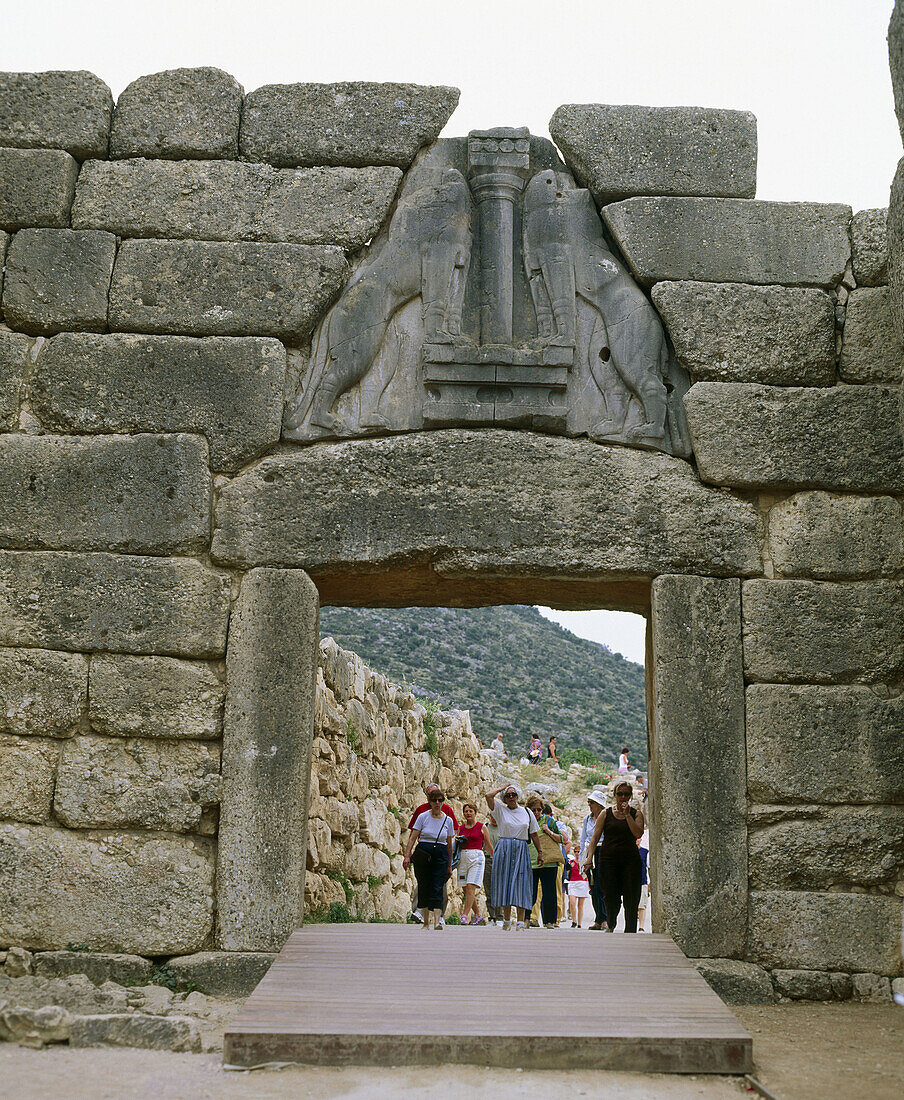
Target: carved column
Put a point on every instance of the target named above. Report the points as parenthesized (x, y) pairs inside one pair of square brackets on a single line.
[(498, 167)]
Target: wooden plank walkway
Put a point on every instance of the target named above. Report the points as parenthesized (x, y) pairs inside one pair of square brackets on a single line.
[(397, 995)]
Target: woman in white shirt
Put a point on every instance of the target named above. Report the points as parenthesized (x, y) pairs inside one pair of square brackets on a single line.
[(433, 832), (513, 880)]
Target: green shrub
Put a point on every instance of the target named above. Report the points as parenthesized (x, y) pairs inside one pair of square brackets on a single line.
[(352, 735), (597, 779), (579, 756), (334, 913), (374, 882), (338, 876), (431, 743)]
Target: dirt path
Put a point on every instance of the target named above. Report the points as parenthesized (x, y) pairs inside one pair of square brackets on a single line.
[(803, 1052)]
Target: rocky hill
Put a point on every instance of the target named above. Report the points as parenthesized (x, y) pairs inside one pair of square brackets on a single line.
[(515, 671)]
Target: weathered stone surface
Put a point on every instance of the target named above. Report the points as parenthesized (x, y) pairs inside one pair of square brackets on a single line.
[(27, 767), (58, 279), (74, 992), (177, 1033), (169, 606), (817, 849), (732, 240), (834, 537), (202, 288), (869, 241), (823, 633), (19, 962), (155, 697), (271, 668), (98, 967), (350, 123), (737, 983), (34, 1027), (895, 264), (798, 930), (36, 187), (140, 494), (701, 869), (42, 692), (4, 244), (872, 349), (824, 744), (178, 113), (13, 358), (228, 201), (223, 973), (363, 862), (230, 390), (620, 151), (870, 988), (896, 60), (846, 437), (56, 110), (729, 332), (111, 783), (416, 496), (147, 895), (812, 985)]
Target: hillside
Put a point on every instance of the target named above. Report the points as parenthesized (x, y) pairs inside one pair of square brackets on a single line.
[(513, 669)]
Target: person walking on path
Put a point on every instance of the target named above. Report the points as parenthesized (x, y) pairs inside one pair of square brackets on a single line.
[(617, 832), (432, 832), (494, 913), (596, 800), (578, 889), (546, 863), (551, 750), (512, 884), (472, 862), (535, 750), (447, 809)]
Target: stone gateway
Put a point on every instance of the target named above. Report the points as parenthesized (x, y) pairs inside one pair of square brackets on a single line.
[(265, 352)]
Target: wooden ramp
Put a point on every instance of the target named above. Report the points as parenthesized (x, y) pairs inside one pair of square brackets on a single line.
[(370, 994)]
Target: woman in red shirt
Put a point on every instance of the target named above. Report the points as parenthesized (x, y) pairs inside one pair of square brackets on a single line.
[(472, 861)]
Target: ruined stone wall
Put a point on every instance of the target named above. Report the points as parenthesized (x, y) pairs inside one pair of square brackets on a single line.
[(164, 266)]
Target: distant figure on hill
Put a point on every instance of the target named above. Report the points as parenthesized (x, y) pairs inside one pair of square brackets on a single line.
[(617, 857), (472, 862), (623, 762), (551, 750), (535, 751), (498, 745)]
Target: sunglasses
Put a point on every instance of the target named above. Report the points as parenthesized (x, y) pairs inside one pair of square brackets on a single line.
[(622, 794), (511, 794), (434, 800)]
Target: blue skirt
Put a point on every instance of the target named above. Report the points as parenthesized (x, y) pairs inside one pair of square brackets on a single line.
[(513, 880)]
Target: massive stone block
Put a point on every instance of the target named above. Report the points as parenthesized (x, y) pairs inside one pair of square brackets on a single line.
[(230, 390), (171, 606), (58, 279), (223, 973), (802, 848), (824, 744), (268, 729), (36, 187), (869, 245), (823, 633), (895, 264), (845, 437), (141, 494), (833, 537), (112, 783), (732, 240), (55, 110), (13, 359), (873, 349), (199, 288), (351, 123), (226, 201), (155, 697), (148, 895), (378, 502), (42, 692), (178, 113), (27, 769), (826, 931), (729, 332), (896, 60), (700, 855), (620, 151)]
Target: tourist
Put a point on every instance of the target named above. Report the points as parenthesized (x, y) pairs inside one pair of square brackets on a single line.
[(512, 880), (472, 862), (596, 800), (494, 913), (432, 831), (617, 858), (498, 745), (644, 851), (546, 862), (578, 889), (424, 806), (623, 762), (535, 751), (551, 750)]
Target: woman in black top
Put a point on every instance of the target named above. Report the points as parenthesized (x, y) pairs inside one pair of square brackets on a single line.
[(617, 858)]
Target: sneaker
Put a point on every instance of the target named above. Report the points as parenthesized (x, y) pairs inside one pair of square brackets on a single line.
[(415, 917), (500, 923), (439, 927), (508, 925), (480, 920), (574, 924), (442, 922), (552, 927), (596, 928), (521, 926)]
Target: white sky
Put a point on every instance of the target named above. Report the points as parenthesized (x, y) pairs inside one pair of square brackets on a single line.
[(814, 72)]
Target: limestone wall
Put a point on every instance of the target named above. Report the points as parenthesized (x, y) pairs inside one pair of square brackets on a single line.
[(164, 264)]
